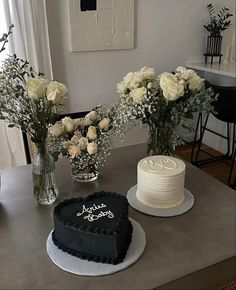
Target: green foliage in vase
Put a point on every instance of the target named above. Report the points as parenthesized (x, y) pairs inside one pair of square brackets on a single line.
[(163, 102), (218, 21), (85, 141), (28, 101), (4, 38)]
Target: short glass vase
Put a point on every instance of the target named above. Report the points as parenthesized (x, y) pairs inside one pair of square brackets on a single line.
[(85, 173), (44, 179)]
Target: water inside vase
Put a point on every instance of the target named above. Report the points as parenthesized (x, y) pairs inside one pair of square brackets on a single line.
[(45, 188)]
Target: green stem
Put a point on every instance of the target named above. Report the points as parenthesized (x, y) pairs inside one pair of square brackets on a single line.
[(160, 140)]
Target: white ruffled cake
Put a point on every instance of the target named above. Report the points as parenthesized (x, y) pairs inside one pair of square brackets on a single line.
[(161, 181)]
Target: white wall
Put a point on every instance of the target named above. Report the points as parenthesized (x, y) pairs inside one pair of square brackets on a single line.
[(168, 33)]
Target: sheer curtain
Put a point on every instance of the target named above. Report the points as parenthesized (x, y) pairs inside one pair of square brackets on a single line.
[(11, 148), (29, 41)]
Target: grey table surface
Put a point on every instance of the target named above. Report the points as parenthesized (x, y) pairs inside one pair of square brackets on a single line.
[(191, 251)]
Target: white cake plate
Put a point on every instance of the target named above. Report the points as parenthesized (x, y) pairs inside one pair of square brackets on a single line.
[(81, 267), (185, 206)]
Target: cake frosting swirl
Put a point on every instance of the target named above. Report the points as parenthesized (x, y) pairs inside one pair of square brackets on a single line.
[(160, 181)]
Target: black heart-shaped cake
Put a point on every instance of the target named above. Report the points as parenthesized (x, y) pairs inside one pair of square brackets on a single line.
[(95, 228)]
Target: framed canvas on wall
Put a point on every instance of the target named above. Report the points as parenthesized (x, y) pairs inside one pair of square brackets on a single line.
[(101, 24)]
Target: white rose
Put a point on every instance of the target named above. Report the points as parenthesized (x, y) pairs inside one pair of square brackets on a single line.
[(128, 77), (104, 124), (138, 95), (74, 151), (57, 129), (87, 122), (92, 133), (147, 72), (150, 85), (56, 91), (92, 116), (137, 79), (78, 134), (185, 73), (121, 87), (125, 84), (75, 140), (67, 144), (83, 142), (79, 122), (172, 88), (182, 82), (68, 124), (36, 87), (196, 83), (92, 148)]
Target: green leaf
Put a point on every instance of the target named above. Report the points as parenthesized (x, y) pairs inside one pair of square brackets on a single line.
[(187, 127), (189, 115)]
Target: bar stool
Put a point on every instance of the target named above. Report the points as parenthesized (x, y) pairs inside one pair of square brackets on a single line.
[(232, 183), (225, 111)]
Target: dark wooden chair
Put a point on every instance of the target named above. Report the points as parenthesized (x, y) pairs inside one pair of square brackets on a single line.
[(26, 140), (225, 111)]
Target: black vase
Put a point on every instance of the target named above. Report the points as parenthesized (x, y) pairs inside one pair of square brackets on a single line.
[(213, 48)]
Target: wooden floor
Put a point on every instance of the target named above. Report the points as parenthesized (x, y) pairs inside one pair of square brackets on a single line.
[(219, 169)]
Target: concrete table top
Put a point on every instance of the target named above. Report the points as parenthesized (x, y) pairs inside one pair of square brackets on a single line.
[(192, 251)]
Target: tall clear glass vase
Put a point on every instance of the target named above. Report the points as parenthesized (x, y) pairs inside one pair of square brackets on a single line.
[(160, 141), (44, 179)]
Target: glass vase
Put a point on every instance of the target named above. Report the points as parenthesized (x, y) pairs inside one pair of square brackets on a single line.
[(83, 173), (44, 179), (161, 141)]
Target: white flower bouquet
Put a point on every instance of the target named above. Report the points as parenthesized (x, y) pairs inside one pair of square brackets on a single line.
[(32, 104), (28, 101), (85, 141), (163, 102)]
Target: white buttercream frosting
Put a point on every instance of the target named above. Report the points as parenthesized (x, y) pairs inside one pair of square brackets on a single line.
[(161, 181)]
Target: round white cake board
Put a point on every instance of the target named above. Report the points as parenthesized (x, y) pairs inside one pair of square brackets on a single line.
[(185, 206), (81, 267)]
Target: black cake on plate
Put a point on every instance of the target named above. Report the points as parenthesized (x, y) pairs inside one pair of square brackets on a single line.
[(95, 228)]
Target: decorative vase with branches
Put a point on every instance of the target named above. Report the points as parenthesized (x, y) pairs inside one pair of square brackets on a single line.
[(32, 104), (219, 22)]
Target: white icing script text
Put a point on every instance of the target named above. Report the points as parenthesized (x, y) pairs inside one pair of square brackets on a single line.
[(93, 217)]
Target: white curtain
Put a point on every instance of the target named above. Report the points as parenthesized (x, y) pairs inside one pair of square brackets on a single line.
[(29, 41)]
